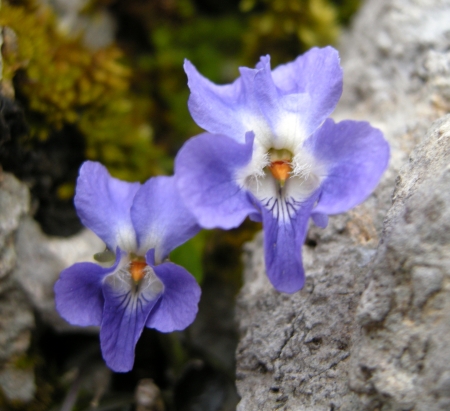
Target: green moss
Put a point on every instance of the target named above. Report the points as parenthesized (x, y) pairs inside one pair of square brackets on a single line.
[(346, 9), (213, 44), (24, 362), (61, 81), (58, 75), (286, 28)]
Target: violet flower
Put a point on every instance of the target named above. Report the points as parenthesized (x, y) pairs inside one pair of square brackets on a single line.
[(275, 156), (141, 224)]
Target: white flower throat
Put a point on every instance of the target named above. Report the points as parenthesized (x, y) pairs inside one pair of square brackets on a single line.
[(136, 277), (132, 274), (280, 179)]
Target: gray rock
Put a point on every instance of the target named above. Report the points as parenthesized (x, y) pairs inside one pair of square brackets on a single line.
[(401, 360), (370, 328), (16, 384), (14, 203), (96, 28), (294, 349), (30, 263), (148, 396), (41, 259), (16, 315), (397, 70)]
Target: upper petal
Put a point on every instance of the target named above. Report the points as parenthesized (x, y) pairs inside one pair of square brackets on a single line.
[(103, 204), (318, 74), (314, 72), (354, 155), (178, 305), (125, 313), (205, 170), (230, 109), (78, 293), (287, 114), (161, 219), (297, 97)]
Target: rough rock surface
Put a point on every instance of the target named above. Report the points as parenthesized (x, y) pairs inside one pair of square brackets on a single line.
[(294, 348), (41, 260), (30, 263), (16, 315), (358, 336), (401, 361)]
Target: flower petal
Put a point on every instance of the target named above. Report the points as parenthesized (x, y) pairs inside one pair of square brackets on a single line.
[(231, 110), (317, 73), (212, 106), (205, 170), (297, 97), (78, 293), (161, 219), (178, 305), (320, 219), (125, 313), (355, 156), (285, 222), (103, 204)]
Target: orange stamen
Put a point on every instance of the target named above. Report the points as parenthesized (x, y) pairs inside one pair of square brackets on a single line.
[(280, 170), (137, 270)]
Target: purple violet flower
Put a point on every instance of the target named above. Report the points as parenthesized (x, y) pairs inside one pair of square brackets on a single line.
[(141, 224), (274, 155)]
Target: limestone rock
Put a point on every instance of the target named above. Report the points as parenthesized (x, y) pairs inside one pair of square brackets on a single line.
[(41, 259), (14, 203), (370, 328), (30, 263), (16, 315), (97, 28), (396, 64), (401, 361), (294, 348), (16, 384)]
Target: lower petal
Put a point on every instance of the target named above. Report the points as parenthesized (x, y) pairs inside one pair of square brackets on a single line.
[(205, 172), (178, 305), (78, 293), (320, 219), (285, 222), (124, 316), (355, 156)]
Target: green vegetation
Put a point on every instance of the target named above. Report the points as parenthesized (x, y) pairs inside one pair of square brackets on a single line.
[(61, 81)]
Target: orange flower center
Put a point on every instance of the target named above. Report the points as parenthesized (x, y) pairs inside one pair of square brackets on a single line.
[(280, 164), (137, 268), (280, 170)]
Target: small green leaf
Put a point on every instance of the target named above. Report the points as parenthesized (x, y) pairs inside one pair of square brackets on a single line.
[(106, 256)]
